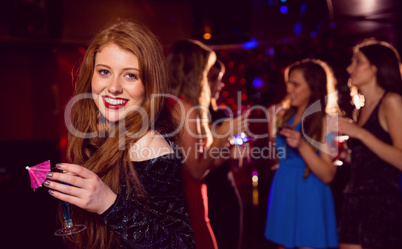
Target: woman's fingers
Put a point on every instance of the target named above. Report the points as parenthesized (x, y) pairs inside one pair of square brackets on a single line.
[(344, 125), (65, 197), (64, 188), (66, 178), (75, 169), (287, 132), (292, 136)]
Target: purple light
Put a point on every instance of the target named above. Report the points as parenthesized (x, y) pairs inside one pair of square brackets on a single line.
[(271, 52), (303, 8), (284, 9), (313, 34), (252, 43), (258, 82), (297, 29)]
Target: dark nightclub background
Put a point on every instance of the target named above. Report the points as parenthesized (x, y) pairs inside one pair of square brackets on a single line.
[(42, 40)]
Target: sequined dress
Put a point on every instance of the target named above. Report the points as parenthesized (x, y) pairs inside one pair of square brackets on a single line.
[(372, 206), (163, 220)]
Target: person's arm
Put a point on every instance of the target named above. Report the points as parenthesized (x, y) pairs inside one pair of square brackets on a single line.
[(392, 154), (199, 161), (274, 119), (275, 115), (320, 165)]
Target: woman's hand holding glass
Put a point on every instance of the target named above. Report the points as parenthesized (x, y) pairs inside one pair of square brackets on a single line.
[(232, 126), (347, 127), (229, 128), (80, 187), (224, 137)]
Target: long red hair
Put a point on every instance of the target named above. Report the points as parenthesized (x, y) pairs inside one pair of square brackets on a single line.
[(106, 152)]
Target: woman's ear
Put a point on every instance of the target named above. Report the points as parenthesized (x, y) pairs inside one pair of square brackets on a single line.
[(374, 68)]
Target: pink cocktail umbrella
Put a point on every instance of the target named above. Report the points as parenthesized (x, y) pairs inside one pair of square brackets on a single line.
[(37, 173)]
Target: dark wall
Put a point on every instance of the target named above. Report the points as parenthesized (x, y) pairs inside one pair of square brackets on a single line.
[(27, 217)]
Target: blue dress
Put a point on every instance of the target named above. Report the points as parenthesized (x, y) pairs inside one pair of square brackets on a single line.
[(300, 212)]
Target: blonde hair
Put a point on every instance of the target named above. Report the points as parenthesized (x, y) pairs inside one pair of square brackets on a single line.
[(188, 64)]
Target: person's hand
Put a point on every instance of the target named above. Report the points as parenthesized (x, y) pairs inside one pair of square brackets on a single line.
[(345, 155), (240, 151), (347, 127), (293, 138), (231, 127), (85, 189)]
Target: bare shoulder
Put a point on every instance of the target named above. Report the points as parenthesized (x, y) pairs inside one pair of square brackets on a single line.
[(150, 146), (392, 100), (181, 109), (390, 111), (182, 106)]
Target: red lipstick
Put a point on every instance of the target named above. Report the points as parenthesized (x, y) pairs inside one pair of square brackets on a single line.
[(114, 102)]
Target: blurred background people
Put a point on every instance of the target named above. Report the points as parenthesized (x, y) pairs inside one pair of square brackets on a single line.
[(225, 208), (372, 208), (189, 62), (300, 210)]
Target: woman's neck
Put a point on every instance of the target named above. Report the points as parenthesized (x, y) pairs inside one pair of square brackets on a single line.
[(298, 115), (372, 93)]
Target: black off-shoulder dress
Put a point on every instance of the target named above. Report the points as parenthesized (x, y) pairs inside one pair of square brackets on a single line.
[(162, 221)]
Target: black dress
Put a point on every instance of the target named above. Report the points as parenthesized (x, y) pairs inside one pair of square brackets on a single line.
[(372, 209), (225, 209), (162, 221)]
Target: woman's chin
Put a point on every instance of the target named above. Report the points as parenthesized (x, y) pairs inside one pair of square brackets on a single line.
[(113, 116)]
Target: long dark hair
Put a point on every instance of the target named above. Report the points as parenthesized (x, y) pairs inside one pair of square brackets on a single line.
[(386, 58)]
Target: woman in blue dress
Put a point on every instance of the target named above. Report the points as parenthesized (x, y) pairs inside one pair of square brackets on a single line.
[(300, 205)]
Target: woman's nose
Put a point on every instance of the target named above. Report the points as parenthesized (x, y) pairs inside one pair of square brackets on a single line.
[(115, 87), (349, 69)]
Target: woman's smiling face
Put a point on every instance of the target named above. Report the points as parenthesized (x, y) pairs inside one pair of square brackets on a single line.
[(116, 86)]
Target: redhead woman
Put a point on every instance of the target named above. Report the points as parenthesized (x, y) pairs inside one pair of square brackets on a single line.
[(124, 177)]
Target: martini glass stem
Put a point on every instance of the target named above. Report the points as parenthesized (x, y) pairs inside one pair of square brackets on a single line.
[(67, 215)]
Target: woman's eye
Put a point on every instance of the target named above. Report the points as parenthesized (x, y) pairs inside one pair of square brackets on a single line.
[(104, 72), (132, 76)]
